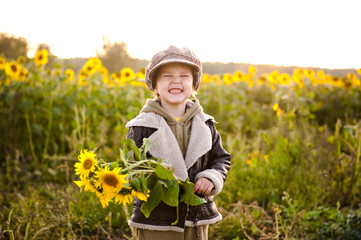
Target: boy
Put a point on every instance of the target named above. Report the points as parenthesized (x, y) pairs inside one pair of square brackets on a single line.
[(184, 137)]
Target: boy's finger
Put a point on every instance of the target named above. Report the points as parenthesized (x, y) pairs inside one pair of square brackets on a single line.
[(200, 189), (196, 186), (209, 190)]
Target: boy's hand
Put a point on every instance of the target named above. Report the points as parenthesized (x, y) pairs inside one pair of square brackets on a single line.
[(203, 186)]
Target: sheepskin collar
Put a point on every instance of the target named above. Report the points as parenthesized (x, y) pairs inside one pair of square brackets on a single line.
[(165, 145)]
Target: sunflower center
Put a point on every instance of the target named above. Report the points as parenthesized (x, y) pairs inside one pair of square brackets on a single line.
[(14, 68), (40, 57), (87, 164), (127, 74), (110, 180)]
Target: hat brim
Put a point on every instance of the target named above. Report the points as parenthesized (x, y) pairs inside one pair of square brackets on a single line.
[(166, 61)]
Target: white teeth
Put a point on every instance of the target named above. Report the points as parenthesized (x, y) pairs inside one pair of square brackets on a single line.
[(175, 91)]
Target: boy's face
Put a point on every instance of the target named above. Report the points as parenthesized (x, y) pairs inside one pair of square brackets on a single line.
[(174, 83)]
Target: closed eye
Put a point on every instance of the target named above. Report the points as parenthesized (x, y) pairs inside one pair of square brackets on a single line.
[(185, 75)]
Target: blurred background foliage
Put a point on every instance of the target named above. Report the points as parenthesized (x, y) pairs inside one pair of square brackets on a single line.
[(295, 140), (115, 56)]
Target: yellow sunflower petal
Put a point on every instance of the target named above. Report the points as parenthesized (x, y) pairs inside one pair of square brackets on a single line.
[(123, 199), (41, 57), (141, 196), (127, 74), (110, 181), (87, 163), (2, 63), (70, 75), (13, 69), (104, 198)]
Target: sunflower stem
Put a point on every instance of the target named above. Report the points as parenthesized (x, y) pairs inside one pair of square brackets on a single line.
[(50, 117), (138, 171), (30, 138), (127, 217), (134, 165)]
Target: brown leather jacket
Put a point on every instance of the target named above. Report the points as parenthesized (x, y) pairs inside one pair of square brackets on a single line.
[(216, 162)]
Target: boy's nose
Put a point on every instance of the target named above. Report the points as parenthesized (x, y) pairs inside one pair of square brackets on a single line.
[(176, 80)]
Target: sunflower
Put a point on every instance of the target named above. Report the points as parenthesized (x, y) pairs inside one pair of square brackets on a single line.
[(86, 184), (13, 69), (277, 109), (227, 79), (273, 76), (127, 74), (103, 71), (141, 196), (252, 69), (105, 198), (81, 78), (95, 62), (359, 71), (123, 198), (284, 78), (115, 76), (263, 79), (238, 76), (140, 75), (108, 82), (70, 75), (138, 83), (23, 74), (89, 69), (299, 81), (56, 73), (2, 63), (41, 57), (298, 72), (110, 181), (310, 73), (91, 66), (205, 78), (215, 78), (320, 74), (87, 163), (21, 60)]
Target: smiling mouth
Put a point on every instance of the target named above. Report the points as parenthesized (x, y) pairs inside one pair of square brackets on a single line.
[(175, 91)]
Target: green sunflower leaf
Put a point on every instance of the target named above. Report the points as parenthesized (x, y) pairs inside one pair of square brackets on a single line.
[(153, 200), (163, 173), (170, 192), (145, 147), (130, 145), (189, 197), (135, 183)]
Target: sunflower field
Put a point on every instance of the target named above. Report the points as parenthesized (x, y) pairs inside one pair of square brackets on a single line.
[(295, 142)]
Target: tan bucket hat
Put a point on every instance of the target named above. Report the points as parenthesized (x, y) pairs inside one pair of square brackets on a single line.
[(173, 55)]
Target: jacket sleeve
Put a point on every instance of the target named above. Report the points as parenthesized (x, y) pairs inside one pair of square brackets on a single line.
[(218, 163), (135, 133), (139, 133)]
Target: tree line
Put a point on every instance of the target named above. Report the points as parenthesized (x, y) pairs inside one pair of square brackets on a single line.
[(115, 56)]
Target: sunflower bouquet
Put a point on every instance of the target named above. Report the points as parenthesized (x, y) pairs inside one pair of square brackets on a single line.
[(133, 174)]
